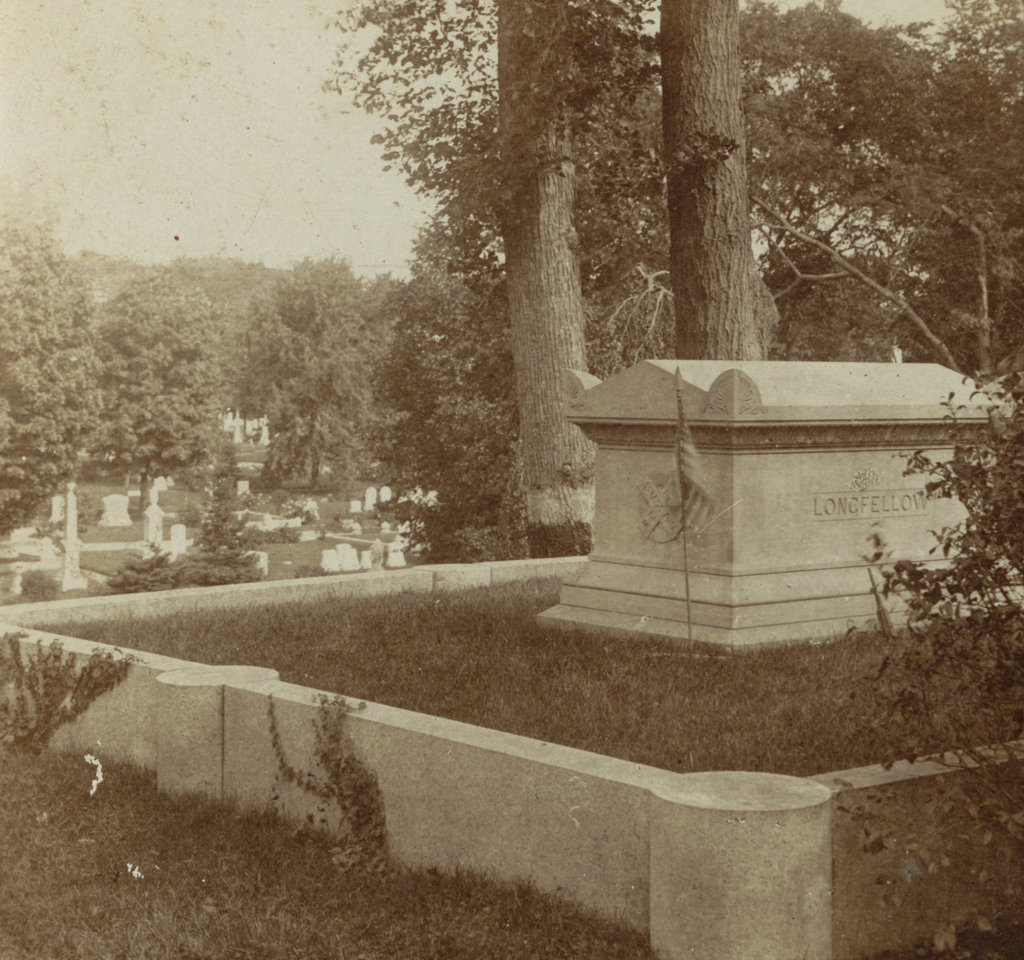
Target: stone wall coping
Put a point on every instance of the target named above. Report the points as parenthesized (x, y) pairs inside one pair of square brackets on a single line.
[(743, 791), (877, 775), (422, 578), (485, 738), (80, 647)]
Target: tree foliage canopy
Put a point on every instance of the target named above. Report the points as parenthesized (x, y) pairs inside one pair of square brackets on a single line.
[(48, 396), (902, 150), (447, 381), (162, 383), (311, 345)]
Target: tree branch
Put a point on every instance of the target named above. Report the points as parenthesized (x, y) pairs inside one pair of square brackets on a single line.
[(848, 268), (801, 276)]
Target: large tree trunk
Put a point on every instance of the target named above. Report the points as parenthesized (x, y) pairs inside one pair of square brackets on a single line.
[(723, 310), (545, 300)]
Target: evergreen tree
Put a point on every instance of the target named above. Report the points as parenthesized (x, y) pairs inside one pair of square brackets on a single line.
[(224, 548), (224, 545)]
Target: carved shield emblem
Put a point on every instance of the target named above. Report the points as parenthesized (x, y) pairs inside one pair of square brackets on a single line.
[(660, 516)]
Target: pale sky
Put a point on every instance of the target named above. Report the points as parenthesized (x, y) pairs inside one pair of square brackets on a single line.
[(199, 127)]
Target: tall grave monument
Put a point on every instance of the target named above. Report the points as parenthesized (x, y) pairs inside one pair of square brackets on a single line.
[(72, 577), (803, 464)]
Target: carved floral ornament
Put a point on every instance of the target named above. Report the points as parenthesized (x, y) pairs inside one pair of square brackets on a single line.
[(575, 384), (734, 394), (864, 480)]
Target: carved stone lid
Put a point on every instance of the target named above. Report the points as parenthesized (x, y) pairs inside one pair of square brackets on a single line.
[(772, 391)]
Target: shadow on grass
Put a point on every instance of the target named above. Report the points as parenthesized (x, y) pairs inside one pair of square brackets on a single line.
[(131, 873)]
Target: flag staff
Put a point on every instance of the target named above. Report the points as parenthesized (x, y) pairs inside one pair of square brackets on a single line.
[(682, 440)]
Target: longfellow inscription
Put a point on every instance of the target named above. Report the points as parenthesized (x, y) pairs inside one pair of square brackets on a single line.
[(849, 505)]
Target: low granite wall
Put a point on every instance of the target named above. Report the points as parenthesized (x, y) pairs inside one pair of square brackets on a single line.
[(746, 864), (418, 579)]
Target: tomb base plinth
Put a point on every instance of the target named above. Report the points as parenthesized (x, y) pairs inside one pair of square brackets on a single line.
[(625, 598)]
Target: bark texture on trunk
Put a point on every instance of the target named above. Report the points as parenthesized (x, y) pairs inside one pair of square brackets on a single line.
[(543, 277), (723, 310)]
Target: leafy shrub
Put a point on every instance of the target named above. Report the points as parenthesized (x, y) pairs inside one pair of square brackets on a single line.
[(49, 689), (280, 535), (38, 585), (342, 779), (297, 508), (154, 571), (965, 617), (966, 625)]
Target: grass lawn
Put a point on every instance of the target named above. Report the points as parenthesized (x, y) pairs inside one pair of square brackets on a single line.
[(129, 873), (480, 657), (219, 883)]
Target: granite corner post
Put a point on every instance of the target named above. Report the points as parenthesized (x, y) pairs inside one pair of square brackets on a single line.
[(741, 867)]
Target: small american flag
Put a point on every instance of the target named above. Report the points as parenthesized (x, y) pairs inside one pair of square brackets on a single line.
[(697, 502)]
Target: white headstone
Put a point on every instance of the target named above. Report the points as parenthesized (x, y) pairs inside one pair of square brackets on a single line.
[(365, 560), (264, 435), (377, 552), (56, 508), (385, 527), (355, 506), (311, 509), (396, 558), (330, 562), (160, 484), (170, 482), (385, 495), (154, 525), (349, 557), (115, 511), (357, 529), (370, 499), (263, 562), (238, 431), (241, 488), (179, 540)]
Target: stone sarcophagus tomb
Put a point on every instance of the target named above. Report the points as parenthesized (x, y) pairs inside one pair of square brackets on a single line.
[(804, 463)]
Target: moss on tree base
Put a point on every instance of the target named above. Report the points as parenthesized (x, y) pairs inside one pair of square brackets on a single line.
[(559, 539)]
